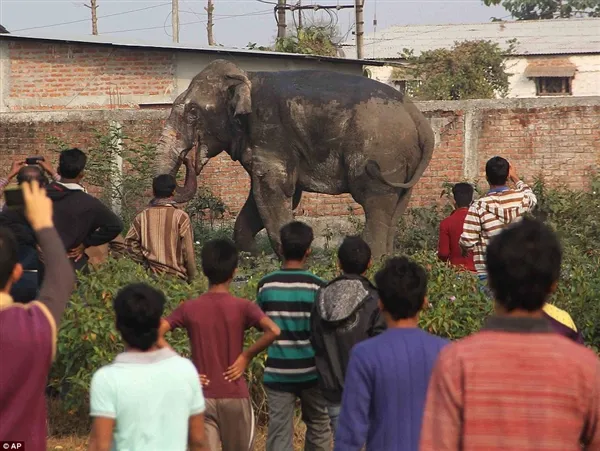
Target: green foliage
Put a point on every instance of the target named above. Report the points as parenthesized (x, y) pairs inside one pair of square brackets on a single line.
[(469, 70), (208, 215), (111, 154), (311, 40), (548, 9)]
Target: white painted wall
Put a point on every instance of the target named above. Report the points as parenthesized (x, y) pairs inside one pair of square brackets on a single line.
[(188, 65), (585, 83)]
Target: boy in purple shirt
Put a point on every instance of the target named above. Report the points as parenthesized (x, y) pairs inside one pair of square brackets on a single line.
[(387, 377), (28, 331)]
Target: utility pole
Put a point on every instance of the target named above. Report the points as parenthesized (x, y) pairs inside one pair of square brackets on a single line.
[(209, 23), (360, 22), (93, 7), (175, 19), (281, 25), (300, 15)]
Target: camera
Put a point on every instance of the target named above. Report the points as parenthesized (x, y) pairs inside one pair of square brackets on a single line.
[(34, 160), (13, 198)]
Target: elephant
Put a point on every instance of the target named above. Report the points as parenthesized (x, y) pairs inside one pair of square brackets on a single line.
[(301, 131)]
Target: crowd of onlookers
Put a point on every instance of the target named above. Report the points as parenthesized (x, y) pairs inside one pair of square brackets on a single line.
[(349, 350)]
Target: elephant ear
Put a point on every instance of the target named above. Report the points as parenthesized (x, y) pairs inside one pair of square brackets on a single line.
[(241, 100)]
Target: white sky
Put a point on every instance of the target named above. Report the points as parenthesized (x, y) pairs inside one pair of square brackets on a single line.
[(237, 22)]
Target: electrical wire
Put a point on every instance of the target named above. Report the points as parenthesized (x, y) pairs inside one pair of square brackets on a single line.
[(257, 13), (87, 20)]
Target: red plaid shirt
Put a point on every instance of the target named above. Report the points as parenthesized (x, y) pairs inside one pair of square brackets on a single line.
[(514, 386)]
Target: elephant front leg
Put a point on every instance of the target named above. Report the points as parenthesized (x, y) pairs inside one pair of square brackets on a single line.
[(273, 192), (247, 225)]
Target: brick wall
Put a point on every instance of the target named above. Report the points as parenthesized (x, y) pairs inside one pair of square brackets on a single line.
[(557, 139), (48, 76)]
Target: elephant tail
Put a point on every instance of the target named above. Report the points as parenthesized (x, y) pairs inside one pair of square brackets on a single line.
[(426, 144)]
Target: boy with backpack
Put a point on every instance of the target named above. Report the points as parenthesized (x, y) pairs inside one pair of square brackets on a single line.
[(216, 323), (287, 296), (346, 312)]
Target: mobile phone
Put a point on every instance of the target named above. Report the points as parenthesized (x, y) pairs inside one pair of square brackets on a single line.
[(34, 160), (13, 198)]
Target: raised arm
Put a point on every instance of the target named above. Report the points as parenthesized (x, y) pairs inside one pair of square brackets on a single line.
[(529, 198), (14, 170), (59, 278)]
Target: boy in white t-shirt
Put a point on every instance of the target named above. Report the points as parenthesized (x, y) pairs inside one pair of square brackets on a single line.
[(149, 398)]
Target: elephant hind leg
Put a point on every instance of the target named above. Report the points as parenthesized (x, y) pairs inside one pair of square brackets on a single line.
[(380, 213), (400, 209), (247, 225)]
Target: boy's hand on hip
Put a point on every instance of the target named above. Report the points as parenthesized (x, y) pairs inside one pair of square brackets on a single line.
[(235, 371), (204, 380)]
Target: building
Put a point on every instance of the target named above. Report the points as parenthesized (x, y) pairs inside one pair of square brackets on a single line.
[(552, 57), (93, 72)]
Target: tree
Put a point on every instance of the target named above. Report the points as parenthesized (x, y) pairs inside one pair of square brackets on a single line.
[(548, 9), (315, 39), (469, 70)]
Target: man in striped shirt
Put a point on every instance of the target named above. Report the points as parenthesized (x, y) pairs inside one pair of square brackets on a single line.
[(501, 206), (161, 236), (287, 297), (516, 385)]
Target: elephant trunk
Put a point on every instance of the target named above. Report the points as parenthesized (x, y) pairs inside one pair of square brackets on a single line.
[(170, 153)]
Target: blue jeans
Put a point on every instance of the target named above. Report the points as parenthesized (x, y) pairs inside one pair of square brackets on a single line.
[(483, 286), (334, 414)]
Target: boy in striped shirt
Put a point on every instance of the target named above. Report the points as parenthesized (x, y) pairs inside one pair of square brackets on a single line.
[(287, 297), (501, 206)]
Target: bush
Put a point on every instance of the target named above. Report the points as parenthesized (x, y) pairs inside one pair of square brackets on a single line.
[(88, 338)]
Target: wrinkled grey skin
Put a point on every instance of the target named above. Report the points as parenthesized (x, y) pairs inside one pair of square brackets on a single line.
[(296, 131)]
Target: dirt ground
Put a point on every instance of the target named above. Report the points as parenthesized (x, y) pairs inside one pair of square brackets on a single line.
[(79, 443)]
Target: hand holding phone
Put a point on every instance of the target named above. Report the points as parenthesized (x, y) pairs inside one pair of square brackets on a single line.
[(34, 160)]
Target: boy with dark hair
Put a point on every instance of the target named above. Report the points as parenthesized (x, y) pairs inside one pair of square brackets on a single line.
[(345, 313), (386, 382), (28, 331), (216, 323), (82, 221), (161, 236), (287, 296), (506, 387), (148, 398), (451, 229), (501, 206)]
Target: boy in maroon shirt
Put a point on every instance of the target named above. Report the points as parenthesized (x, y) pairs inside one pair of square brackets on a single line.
[(451, 229), (216, 323), (28, 331)]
